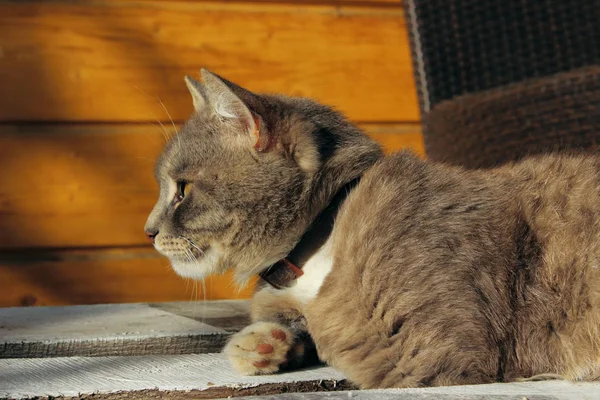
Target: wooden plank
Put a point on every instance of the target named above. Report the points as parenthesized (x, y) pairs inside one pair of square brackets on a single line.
[(208, 375), (102, 276), (92, 185), (370, 3), (88, 186), (110, 60), (549, 390), (119, 329), (394, 137)]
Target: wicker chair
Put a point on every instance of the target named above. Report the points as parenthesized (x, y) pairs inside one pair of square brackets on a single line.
[(502, 79)]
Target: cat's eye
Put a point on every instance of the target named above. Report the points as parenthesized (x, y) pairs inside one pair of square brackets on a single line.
[(183, 189)]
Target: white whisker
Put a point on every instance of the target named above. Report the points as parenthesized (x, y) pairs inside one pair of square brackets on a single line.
[(192, 260), (187, 284), (145, 159), (151, 135), (193, 296), (204, 300), (194, 245), (168, 115), (172, 123), (164, 131)]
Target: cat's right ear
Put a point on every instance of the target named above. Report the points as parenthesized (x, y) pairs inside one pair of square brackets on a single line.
[(197, 92)]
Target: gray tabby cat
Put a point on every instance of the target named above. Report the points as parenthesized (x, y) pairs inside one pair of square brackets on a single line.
[(397, 271)]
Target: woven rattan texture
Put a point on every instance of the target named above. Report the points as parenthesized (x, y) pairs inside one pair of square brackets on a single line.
[(467, 46), (557, 113)]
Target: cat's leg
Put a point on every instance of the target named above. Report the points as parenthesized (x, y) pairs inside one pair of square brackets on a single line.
[(277, 339), (389, 338), (417, 355)]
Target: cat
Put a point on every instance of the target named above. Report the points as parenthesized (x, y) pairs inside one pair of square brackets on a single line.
[(397, 271)]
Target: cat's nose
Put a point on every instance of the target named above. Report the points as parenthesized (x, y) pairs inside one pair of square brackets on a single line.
[(151, 234)]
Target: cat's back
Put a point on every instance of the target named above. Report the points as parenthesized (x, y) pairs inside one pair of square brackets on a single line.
[(423, 220), (550, 193), (410, 217), (406, 195), (558, 192)]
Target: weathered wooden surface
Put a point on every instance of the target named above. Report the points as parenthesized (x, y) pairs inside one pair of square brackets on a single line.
[(550, 390), (119, 329), (80, 375), (108, 60), (150, 338), (105, 63), (95, 276), (93, 185), (210, 376)]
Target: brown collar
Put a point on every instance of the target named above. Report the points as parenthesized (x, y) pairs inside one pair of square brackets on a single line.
[(286, 270)]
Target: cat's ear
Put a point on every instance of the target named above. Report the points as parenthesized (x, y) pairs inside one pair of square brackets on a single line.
[(197, 92), (228, 104)]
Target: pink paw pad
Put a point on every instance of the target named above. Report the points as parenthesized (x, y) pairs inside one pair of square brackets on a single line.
[(264, 348), (278, 334)]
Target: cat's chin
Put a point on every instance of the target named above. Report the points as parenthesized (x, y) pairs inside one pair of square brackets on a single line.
[(199, 268)]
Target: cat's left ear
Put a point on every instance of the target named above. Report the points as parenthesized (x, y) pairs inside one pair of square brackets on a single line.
[(227, 101), (197, 92)]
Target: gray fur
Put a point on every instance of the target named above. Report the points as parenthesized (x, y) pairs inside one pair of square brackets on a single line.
[(439, 276), (247, 206)]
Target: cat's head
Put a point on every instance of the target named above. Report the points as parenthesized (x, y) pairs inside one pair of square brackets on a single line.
[(245, 176)]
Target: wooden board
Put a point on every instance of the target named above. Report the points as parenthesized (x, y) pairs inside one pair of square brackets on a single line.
[(112, 60), (120, 329), (379, 3), (102, 276), (210, 376), (92, 185), (73, 376), (151, 339), (550, 390)]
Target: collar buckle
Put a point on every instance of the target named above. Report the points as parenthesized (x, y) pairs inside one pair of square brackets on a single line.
[(280, 274)]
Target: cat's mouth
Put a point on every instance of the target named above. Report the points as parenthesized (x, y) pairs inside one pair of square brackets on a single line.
[(186, 251)]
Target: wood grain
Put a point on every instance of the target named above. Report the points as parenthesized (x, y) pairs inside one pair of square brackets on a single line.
[(120, 329), (92, 185), (343, 390), (370, 3), (111, 60), (64, 277), (75, 376), (209, 376)]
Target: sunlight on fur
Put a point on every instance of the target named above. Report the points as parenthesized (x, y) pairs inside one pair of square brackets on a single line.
[(397, 271)]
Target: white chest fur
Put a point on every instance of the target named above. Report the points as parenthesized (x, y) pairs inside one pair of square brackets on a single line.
[(316, 269)]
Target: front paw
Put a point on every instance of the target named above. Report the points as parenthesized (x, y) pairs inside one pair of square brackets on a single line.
[(260, 348)]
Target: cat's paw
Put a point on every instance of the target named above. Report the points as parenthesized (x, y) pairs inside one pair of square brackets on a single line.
[(260, 348)]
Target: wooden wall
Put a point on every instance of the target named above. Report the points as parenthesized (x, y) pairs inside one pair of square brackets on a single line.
[(86, 88)]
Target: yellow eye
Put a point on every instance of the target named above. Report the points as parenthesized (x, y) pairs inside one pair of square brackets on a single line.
[(183, 188)]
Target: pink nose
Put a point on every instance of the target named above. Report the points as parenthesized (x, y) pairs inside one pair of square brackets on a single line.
[(151, 234)]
